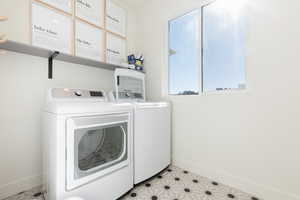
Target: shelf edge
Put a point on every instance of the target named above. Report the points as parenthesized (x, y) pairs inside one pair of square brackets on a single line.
[(45, 53)]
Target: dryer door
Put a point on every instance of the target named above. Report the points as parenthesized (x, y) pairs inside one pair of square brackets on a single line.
[(96, 146)]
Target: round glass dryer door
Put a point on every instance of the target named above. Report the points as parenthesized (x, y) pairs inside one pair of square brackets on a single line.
[(99, 148), (96, 146)]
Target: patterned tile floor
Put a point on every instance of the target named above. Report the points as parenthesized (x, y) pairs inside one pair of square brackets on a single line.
[(177, 184), (33, 194), (172, 184)]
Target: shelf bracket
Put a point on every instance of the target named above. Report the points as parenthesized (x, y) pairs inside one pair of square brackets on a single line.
[(50, 64)]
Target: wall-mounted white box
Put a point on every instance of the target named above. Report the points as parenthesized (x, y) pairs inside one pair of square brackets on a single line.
[(89, 41), (51, 29), (115, 49), (91, 11), (65, 5), (116, 18)]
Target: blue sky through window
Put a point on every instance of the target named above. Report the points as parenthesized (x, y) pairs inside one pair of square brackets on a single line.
[(223, 48), (184, 54)]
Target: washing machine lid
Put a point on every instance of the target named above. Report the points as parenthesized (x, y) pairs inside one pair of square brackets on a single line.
[(129, 85), (61, 108), (78, 101), (150, 105)]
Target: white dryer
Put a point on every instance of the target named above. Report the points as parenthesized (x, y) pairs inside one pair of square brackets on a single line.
[(88, 145), (152, 126)]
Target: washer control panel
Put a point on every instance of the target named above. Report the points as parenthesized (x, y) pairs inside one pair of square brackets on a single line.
[(66, 93)]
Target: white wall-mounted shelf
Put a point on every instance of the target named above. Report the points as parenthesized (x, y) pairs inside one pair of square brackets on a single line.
[(50, 55)]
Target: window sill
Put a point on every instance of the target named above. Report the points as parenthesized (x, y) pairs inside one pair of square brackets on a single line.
[(213, 93)]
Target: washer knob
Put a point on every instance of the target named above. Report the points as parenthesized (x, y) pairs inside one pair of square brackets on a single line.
[(78, 93), (127, 94)]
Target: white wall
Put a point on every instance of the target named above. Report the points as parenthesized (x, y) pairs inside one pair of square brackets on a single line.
[(23, 86), (248, 139)]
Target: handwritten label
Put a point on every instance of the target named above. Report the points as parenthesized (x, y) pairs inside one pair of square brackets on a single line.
[(39, 28), (84, 3)]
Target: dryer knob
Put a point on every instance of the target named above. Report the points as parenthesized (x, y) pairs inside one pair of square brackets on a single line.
[(78, 93), (127, 94)]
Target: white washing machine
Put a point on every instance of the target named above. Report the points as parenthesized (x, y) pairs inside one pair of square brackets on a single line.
[(88, 145), (152, 125)]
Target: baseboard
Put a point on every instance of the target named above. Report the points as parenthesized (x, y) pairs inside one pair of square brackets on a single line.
[(20, 185), (248, 186)]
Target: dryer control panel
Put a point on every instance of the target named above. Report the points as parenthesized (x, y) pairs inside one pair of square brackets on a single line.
[(77, 94)]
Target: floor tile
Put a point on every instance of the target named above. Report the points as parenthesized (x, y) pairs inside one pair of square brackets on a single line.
[(171, 184), (175, 183), (33, 194)]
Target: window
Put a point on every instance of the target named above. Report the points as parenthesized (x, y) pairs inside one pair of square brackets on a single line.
[(221, 64), (184, 54), (223, 43)]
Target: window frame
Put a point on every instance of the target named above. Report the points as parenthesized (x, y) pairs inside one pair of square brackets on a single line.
[(200, 52), (166, 86)]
